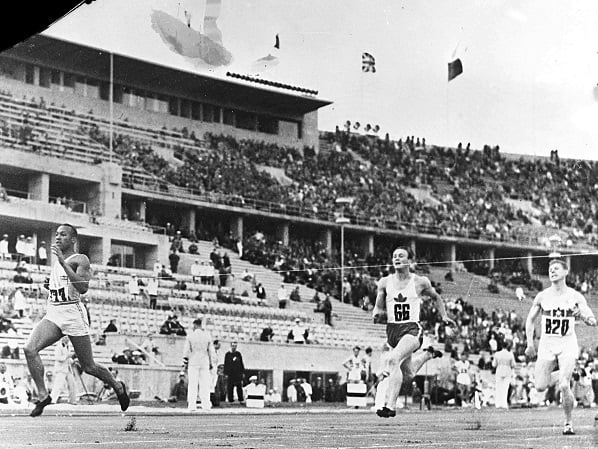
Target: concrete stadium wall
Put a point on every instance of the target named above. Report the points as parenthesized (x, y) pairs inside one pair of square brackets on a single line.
[(274, 357), (154, 119)]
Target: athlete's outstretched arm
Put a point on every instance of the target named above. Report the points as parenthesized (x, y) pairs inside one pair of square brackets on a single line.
[(534, 312), (583, 311), (431, 292), (379, 312)]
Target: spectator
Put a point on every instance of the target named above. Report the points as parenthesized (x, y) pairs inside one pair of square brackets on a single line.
[(260, 291), (282, 297), (157, 268), (307, 389), (247, 276), (133, 286), (267, 334), (42, 254), (178, 392), (124, 358), (295, 296), (193, 248), (273, 397), (218, 378), (6, 384), (234, 369), (111, 327), (20, 247), (520, 294), (196, 271), (254, 389), (292, 391), (19, 302), (152, 291), (299, 333), (4, 254), (327, 310), (29, 248), (174, 261)]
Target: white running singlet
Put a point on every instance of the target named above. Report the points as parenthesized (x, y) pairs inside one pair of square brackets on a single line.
[(402, 305)]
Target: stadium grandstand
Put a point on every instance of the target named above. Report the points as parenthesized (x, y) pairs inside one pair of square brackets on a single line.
[(234, 177)]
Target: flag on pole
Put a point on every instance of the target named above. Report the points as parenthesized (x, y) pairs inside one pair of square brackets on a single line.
[(368, 63), (455, 69)]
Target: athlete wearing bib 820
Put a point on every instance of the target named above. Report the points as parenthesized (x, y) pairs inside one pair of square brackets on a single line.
[(398, 304), (66, 315), (558, 306)]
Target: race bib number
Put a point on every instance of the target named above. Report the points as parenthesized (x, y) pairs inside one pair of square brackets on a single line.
[(556, 326), (402, 312), (58, 295)]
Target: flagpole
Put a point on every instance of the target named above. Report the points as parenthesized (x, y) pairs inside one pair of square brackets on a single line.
[(111, 101)]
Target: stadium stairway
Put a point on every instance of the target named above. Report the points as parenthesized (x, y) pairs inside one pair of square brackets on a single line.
[(345, 316)]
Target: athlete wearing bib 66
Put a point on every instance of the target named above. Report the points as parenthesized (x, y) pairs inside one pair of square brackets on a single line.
[(66, 315), (398, 304), (559, 306)]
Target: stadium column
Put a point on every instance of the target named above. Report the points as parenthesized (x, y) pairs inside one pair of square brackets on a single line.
[(282, 233), (451, 255), (236, 227), (110, 193), (189, 220), (368, 245), (413, 246), (490, 256), (326, 239), (99, 250), (39, 187), (530, 262)]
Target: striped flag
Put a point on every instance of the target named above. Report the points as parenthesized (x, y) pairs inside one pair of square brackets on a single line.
[(368, 63)]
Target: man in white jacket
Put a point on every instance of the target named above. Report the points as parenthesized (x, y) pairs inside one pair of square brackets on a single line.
[(198, 359)]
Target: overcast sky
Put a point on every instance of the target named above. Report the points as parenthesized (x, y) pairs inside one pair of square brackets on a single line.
[(530, 68)]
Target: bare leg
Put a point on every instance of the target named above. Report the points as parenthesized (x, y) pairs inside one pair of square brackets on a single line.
[(45, 334), (566, 367), (406, 346), (543, 374), (414, 363), (82, 347)]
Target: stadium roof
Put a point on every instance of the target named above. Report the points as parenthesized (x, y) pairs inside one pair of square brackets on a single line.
[(133, 71)]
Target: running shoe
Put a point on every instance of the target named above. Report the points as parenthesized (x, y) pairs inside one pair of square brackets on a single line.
[(568, 430), (39, 406), (123, 398), (385, 412)]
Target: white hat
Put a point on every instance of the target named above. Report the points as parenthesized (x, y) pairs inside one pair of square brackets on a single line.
[(253, 378)]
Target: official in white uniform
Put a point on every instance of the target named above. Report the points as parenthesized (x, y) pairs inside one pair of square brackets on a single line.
[(504, 362), (198, 359)]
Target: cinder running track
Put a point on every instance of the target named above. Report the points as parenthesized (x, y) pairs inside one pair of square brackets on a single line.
[(103, 427)]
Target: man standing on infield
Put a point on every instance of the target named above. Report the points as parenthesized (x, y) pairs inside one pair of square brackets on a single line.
[(398, 303), (559, 305), (66, 315)]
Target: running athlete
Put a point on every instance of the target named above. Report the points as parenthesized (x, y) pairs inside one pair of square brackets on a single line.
[(398, 304), (559, 307), (66, 315)]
